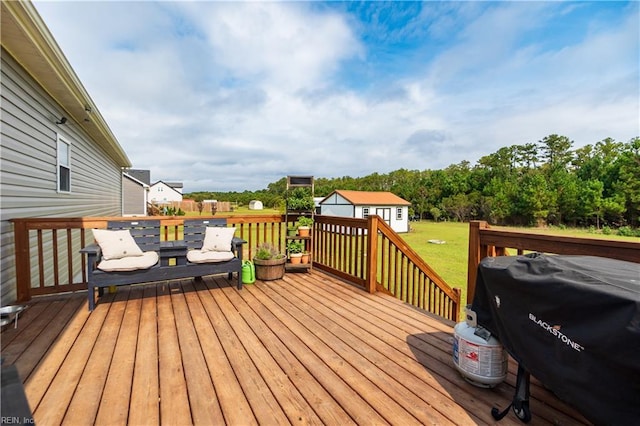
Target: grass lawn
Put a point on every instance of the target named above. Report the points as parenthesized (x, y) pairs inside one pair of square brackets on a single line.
[(449, 260)]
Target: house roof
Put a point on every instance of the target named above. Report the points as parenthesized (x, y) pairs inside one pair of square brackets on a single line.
[(168, 185), (133, 179), (141, 175), (28, 40), (370, 198), (174, 184)]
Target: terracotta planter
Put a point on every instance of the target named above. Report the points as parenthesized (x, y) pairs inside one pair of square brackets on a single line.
[(305, 257), (295, 258), (303, 231), (268, 270)]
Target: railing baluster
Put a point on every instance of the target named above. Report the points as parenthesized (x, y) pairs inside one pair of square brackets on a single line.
[(54, 247), (40, 259), (69, 256)]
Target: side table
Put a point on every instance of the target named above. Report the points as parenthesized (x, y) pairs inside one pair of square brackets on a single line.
[(173, 250)]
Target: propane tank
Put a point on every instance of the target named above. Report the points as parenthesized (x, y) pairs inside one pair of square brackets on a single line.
[(478, 356)]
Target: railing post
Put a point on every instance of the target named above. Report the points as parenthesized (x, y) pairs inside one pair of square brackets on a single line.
[(22, 258), (456, 304), (372, 254), (474, 256)]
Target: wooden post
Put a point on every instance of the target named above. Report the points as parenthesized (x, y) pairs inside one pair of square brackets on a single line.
[(456, 304), (475, 256), (22, 258), (372, 254)]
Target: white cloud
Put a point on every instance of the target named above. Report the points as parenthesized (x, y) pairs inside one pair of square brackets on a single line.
[(228, 95)]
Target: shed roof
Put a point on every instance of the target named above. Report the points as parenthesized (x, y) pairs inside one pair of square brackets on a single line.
[(370, 198)]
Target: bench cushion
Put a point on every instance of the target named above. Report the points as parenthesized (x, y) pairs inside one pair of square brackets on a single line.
[(200, 256), (218, 238), (116, 244), (131, 263)]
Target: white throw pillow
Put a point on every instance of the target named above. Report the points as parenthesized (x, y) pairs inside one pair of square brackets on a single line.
[(116, 244), (199, 256), (218, 238), (146, 261)]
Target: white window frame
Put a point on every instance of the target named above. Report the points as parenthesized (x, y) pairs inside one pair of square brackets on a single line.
[(63, 163), (365, 212), (399, 213)]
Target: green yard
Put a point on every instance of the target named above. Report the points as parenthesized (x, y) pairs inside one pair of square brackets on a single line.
[(449, 260)]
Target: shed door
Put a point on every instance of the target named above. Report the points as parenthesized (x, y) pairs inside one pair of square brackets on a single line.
[(385, 214)]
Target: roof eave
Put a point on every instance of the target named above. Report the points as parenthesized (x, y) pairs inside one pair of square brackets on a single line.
[(26, 37)]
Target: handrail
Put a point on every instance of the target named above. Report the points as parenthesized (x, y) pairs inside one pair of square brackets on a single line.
[(57, 253), (485, 241), (370, 254), (366, 252)]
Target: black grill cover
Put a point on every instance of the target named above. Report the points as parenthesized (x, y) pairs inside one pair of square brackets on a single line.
[(574, 323)]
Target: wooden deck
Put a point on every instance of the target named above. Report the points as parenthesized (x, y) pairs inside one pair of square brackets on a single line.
[(308, 349)]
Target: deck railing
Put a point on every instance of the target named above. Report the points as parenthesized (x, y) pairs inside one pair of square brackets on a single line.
[(49, 247), (485, 241), (368, 253)]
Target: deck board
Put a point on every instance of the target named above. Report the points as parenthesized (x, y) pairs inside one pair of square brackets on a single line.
[(280, 363), (308, 349), (229, 369), (88, 394), (174, 400)]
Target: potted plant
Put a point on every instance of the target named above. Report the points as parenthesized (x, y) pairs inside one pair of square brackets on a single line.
[(306, 257), (300, 199), (292, 231), (304, 226), (269, 262), (295, 249)]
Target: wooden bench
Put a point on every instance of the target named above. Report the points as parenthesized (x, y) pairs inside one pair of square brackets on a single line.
[(146, 234)]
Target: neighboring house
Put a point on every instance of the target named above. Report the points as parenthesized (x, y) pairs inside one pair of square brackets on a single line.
[(360, 204), (165, 192), (59, 158), (134, 196)]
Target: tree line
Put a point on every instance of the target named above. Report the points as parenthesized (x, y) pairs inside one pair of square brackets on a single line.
[(541, 183)]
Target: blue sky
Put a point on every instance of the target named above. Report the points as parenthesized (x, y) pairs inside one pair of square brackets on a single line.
[(234, 95)]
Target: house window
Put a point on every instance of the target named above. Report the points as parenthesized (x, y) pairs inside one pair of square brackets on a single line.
[(64, 165), (399, 213), (365, 212)]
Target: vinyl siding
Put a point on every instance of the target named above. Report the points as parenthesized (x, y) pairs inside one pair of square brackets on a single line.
[(336, 205), (28, 178), (133, 198)]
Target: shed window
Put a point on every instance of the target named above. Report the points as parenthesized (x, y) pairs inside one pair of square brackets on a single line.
[(365, 212), (399, 213), (64, 165)]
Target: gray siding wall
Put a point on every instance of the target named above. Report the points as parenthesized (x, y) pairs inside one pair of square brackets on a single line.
[(28, 163), (133, 198)]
